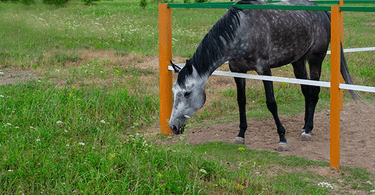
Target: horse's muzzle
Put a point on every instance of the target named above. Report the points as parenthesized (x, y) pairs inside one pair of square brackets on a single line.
[(177, 130)]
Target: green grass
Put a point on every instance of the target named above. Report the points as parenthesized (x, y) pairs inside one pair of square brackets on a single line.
[(80, 127)]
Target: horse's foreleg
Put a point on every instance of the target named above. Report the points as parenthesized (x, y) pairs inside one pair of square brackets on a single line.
[(272, 107), (241, 100)]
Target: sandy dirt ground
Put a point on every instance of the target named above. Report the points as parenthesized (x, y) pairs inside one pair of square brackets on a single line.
[(357, 136)]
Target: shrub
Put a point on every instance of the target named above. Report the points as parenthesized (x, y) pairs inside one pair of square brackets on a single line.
[(89, 2), (26, 2), (143, 3), (55, 2)]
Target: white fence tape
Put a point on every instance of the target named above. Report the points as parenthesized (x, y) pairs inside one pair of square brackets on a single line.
[(356, 50), (297, 81)]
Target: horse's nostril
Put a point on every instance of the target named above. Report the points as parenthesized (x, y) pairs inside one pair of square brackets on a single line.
[(174, 128)]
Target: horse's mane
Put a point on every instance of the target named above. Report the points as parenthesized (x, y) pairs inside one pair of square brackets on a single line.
[(214, 43)]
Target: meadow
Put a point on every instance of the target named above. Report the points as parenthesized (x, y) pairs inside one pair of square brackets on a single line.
[(86, 123)]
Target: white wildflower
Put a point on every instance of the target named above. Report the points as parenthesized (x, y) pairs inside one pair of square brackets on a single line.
[(38, 140), (81, 143), (10, 170), (16, 127), (102, 121), (67, 145), (65, 131), (59, 122), (31, 127), (372, 191), (9, 124), (325, 184), (1, 96), (203, 171), (186, 116), (1, 73)]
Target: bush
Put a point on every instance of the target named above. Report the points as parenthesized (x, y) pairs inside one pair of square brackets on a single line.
[(143, 3), (26, 2), (89, 2), (200, 1), (55, 2)]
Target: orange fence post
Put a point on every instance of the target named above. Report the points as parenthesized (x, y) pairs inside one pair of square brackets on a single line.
[(165, 76), (335, 92)]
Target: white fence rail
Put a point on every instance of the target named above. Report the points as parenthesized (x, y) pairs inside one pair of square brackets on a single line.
[(298, 81)]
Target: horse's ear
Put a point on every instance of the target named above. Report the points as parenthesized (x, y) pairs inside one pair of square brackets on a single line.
[(175, 67), (189, 66)]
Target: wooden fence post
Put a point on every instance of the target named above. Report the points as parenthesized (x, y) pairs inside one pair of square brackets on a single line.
[(335, 91), (165, 76)]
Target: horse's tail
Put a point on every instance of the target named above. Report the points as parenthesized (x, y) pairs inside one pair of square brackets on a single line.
[(345, 74), (344, 68)]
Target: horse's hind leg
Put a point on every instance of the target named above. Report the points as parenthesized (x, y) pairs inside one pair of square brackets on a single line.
[(311, 93), (241, 100)]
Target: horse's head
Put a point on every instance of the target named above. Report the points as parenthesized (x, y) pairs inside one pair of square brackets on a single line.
[(189, 96)]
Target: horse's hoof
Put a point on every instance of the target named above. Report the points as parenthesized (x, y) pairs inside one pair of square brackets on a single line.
[(283, 146), (305, 136), (239, 140)]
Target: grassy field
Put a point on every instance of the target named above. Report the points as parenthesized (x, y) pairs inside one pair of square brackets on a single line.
[(79, 126)]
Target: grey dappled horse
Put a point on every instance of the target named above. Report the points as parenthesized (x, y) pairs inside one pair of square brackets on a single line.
[(257, 40)]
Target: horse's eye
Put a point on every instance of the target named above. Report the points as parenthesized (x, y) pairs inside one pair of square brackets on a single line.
[(186, 94)]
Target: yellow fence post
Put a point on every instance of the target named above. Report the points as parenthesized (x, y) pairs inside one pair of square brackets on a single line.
[(165, 76), (335, 92)]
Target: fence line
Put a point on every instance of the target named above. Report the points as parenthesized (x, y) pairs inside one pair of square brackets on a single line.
[(297, 81), (336, 100), (289, 80), (356, 50)]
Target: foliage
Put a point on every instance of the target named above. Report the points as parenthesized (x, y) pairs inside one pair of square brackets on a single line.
[(144, 3), (89, 2), (26, 2), (55, 2)]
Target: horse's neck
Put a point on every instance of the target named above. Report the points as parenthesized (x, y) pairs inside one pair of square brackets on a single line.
[(215, 65), (208, 68), (217, 46)]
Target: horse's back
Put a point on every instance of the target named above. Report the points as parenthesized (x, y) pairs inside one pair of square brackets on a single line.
[(279, 37)]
